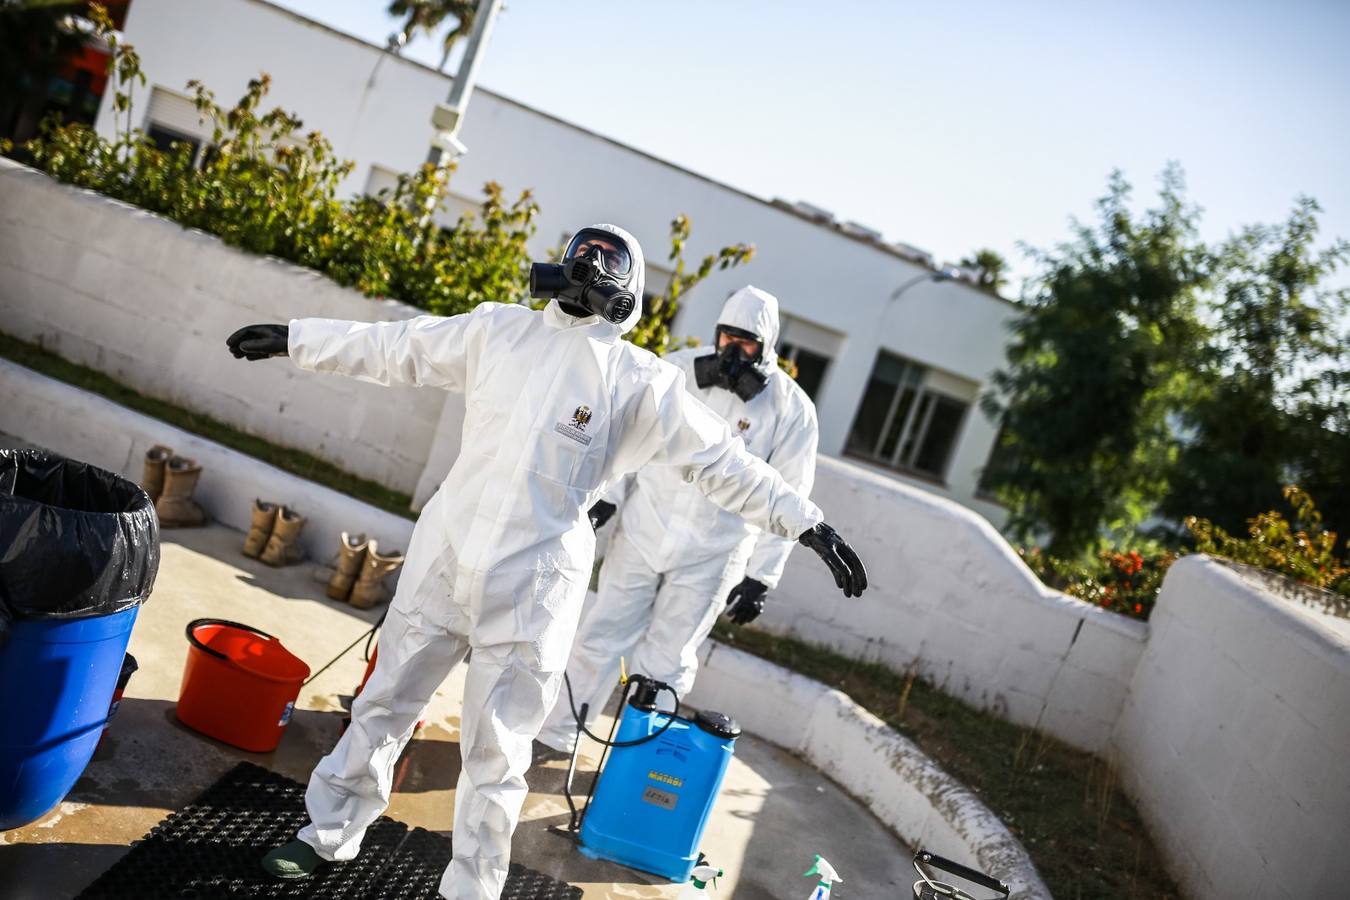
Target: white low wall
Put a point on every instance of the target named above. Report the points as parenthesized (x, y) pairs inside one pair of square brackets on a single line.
[(84, 426), (886, 771), (1235, 740), (150, 303), (948, 594)]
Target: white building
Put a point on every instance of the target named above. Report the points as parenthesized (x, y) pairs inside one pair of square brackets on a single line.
[(896, 383)]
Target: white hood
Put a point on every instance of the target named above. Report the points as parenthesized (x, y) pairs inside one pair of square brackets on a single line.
[(635, 282), (756, 311)]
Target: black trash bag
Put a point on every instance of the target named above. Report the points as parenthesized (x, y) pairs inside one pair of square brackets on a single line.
[(75, 541)]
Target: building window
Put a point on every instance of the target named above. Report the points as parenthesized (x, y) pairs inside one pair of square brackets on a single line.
[(904, 421), (811, 366), (173, 118), (165, 138), (812, 348)]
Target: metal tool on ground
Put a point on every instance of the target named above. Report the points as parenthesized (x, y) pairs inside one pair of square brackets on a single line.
[(928, 889), (651, 797)]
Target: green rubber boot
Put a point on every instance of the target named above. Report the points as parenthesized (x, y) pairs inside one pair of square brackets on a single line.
[(295, 860)]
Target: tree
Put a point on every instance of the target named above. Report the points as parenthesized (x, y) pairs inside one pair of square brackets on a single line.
[(427, 16), (1323, 460), (1098, 358), (1271, 408), (991, 269), (653, 331)]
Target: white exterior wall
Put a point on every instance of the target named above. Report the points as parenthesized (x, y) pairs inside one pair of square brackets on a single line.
[(948, 594), (1234, 739), (92, 429), (150, 303), (578, 177)]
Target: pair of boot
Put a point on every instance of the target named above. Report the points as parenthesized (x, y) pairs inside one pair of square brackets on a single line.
[(274, 535), (360, 570), (170, 481)]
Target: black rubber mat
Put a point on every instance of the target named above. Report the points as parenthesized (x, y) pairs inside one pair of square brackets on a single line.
[(213, 848)]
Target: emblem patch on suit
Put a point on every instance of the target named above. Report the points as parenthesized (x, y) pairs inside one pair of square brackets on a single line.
[(576, 428)]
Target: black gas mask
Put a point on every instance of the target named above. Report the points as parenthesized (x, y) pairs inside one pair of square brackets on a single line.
[(731, 368), (590, 281)]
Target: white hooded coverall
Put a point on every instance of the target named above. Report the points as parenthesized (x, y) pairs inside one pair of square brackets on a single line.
[(675, 555), (557, 407)]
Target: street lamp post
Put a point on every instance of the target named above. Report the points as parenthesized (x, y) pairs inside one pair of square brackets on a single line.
[(446, 145), (946, 273)]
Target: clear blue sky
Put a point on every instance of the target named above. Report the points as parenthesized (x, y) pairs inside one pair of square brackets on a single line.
[(949, 125)]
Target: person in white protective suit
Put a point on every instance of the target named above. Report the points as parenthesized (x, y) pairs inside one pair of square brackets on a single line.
[(558, 406), (676, 559)]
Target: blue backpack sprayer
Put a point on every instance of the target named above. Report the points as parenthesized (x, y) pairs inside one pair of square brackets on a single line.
[(651, 797)]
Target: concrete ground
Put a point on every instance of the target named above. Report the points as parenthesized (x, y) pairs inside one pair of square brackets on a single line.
[(773, 814)]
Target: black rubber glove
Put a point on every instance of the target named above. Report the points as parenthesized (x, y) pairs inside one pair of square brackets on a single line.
[(746, 601), (601, 513), (254, 342), (847, 569)]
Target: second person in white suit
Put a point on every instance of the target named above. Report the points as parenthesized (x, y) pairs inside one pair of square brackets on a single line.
[(677, 559)]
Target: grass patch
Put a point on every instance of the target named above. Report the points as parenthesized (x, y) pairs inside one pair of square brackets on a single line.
[(297, 462), (1064, 805)]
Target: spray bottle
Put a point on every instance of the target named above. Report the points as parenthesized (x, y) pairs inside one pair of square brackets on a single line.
[(696, 889), (827, 875)]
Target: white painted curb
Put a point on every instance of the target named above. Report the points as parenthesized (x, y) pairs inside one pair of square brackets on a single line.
[(884, 770)]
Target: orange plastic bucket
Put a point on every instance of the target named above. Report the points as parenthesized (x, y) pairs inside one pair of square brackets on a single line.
[(239, 684)]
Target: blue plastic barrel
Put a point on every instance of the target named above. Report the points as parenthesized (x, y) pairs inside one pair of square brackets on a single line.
[(79, 551), (57, 678), (653, 800)]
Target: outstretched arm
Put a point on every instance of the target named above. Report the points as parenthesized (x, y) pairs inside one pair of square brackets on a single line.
[(675, 428), (425, 350)]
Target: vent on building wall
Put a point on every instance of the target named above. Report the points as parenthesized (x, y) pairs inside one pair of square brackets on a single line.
[(853, 229), (913, 254), (813, 212), (860, 232)]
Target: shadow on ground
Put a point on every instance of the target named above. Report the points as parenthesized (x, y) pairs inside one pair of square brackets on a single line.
[(773, 815)]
